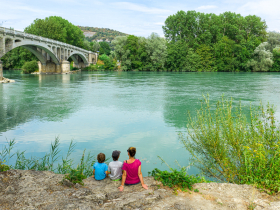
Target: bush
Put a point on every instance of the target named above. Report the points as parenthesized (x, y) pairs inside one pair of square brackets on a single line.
[(236, 146), (176, 179), (91, 67), (4, 167), (29, 67)]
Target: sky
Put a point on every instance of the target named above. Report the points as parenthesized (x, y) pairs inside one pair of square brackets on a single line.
[(136, 17)]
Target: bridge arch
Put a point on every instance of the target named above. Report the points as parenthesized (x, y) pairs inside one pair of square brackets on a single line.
[(31, 46), (81, 55)]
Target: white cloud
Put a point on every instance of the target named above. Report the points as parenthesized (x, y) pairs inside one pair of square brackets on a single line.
[(140, 8), (206, 7), (267, 7), (159, 23)]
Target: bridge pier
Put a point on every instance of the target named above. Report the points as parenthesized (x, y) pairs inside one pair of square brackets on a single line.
[(51, 67), (1, 70)]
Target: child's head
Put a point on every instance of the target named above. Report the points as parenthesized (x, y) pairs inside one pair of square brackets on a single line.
[(116, 155), (101, 158)]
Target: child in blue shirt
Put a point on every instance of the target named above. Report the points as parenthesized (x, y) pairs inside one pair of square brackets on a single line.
[(100, 169)]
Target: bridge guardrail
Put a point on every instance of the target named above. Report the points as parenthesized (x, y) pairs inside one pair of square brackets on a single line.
[(39, 38)]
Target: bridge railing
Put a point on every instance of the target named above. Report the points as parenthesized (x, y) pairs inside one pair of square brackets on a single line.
[(39, 38)]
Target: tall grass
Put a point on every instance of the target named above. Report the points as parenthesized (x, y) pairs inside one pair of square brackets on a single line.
[(235, 146), (49, 162)]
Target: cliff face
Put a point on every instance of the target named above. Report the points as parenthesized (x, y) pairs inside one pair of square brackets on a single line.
[(43, 190)]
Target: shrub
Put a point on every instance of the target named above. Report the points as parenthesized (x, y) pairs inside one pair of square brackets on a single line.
[(29, 67), (236, 146), (91, 67), (75, 176), (3, 167), (176, 179)]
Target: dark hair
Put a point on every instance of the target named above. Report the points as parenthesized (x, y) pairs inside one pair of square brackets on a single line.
[(115, 158), (101, 158), (132, 151)]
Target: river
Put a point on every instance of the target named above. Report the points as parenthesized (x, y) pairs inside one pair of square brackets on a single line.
[(105, 111)]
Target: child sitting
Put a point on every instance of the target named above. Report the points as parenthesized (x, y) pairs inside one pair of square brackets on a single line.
[(100, 169), (115, 167)]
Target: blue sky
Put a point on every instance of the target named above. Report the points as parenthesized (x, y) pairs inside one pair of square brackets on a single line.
[(136, 17)]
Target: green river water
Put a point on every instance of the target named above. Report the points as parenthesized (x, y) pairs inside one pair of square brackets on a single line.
[(104, 111)]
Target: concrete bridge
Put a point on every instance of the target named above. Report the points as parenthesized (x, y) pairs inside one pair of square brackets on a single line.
[(52, 55)]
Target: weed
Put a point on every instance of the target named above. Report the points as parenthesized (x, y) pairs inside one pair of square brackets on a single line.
[(236, 146), (50, 162), (176, 178)]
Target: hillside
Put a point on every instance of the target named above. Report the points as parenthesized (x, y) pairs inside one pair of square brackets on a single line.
[(94, 33)]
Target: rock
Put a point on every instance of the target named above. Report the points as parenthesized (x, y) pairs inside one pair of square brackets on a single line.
[(45, 190), (6, 80), (9, 190), (77, 185), (67, 183)]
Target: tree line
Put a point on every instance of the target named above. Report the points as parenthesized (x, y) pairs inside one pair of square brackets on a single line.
[(193, 41), (197, 41)]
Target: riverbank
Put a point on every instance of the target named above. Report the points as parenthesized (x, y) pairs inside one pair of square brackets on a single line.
[(23, 189)]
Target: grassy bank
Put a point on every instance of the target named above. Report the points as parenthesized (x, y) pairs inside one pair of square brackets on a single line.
[(49, 162)]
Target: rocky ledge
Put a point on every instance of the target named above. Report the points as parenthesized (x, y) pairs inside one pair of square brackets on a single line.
[(6, 80), (44, 190)]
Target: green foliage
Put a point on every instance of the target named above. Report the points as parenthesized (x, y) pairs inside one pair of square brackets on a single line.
[(75, 176), (223, 42), (101, 33), (234, 145), (3, 167), (16, 58), (139, 53), (57, 28), (276, 59), (176, 179), (83, 170), (104, 48), (50, 161), (29, 67), (263, 58), (91, 67), (109, 62)]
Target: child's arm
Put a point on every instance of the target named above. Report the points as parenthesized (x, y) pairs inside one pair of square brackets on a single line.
[(93, 172), (107, 173)]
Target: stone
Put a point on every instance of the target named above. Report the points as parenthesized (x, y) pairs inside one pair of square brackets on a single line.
[(29, 189), (9, 190), (67, 183)]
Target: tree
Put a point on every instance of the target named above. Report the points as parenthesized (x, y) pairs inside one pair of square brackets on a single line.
[(156, 50), (122, 53), (273, 40), (263, 59), (104, 48), (177, 53), (276, 59), (57, 28), (95, 46)]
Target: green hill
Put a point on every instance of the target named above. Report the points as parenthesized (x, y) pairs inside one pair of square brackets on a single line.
[(105, 34)]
